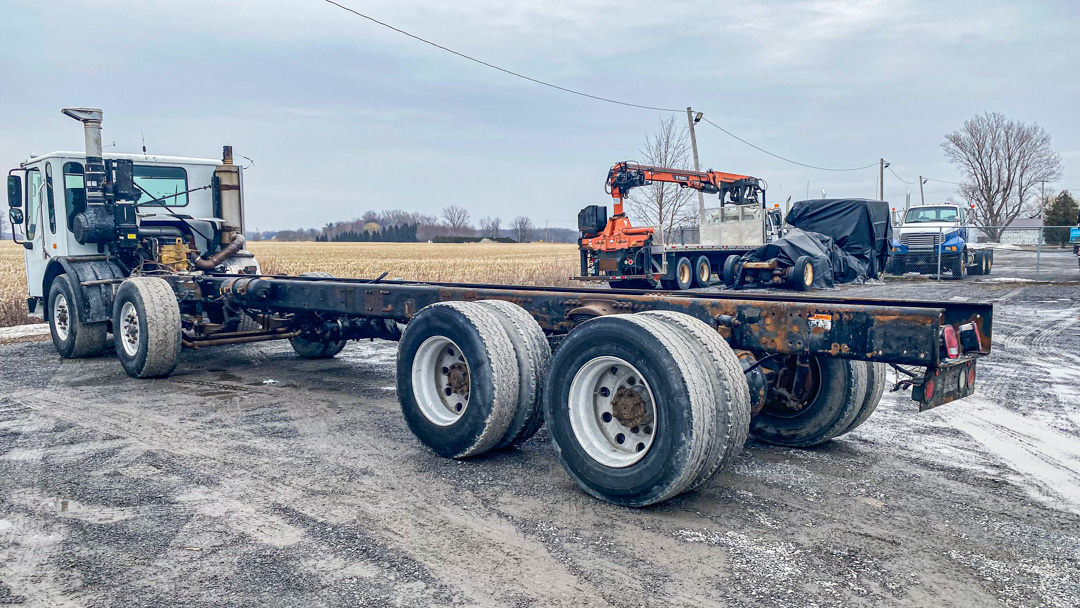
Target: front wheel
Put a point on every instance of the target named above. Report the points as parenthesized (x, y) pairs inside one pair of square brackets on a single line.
[(72, 339), (956, 265), (146, 327)]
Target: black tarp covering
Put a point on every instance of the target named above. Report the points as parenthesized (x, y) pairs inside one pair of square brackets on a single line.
[(831, 264), (860, 227)]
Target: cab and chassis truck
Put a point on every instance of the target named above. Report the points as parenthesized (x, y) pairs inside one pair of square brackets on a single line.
[(646, 393)]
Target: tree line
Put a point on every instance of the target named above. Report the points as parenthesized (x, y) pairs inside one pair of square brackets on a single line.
[(454, 224)]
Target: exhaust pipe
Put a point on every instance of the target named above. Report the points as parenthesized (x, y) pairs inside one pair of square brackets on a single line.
[(95, 167), (235, 245)]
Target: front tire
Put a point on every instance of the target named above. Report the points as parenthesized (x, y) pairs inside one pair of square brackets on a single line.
[(146, 327), (72, 339)]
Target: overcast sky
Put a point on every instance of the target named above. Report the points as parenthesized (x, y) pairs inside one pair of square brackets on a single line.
[(341, 115)]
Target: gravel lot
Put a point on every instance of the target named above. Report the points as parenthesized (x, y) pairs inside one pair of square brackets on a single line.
[(252, 477)]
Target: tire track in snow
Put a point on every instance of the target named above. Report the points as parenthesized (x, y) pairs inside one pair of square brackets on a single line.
[(1048, 462)]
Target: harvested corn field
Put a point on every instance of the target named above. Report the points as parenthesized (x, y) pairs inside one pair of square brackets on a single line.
[(516, 264), (12, 286)]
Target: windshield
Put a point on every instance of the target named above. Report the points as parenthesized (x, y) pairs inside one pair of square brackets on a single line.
[(931, 214), (166, 183)]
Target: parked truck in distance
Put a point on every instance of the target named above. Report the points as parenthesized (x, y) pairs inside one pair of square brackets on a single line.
[(1074, 237), (637, 257), (645, 395), (935, 239)]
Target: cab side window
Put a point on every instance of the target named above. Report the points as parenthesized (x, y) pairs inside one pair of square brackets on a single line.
[(49, 202), (33, 206), (74, 191)]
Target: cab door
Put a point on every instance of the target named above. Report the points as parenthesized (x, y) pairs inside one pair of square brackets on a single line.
[(35, 225)]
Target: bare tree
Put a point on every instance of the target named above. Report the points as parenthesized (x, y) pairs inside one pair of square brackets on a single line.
[(522, 227), (666, 206), (457, 218), (489, 227), (1003, 162)]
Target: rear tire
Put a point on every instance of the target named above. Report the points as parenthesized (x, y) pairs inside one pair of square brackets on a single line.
[(630, 409), (839, 397), (146, 327), (72, 339), (802, 274), (875, 388), (702, 272), (533, 355), (684, 274), (731, 270), (730, 389), (316, 349), (457, 378)]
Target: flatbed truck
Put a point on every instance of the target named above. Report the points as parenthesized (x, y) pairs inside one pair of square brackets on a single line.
[(646, 394)]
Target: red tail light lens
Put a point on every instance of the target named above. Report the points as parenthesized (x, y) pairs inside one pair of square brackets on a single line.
[(952, 342)]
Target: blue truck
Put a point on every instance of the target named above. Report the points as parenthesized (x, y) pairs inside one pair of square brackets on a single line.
[(934, 239)]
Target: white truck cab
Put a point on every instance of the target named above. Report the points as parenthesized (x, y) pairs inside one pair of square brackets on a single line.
[(54, 192)]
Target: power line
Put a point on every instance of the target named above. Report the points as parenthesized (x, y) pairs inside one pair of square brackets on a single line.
[(930, 179), (900, 178), (575, 92), (495, 67), (794, 162)]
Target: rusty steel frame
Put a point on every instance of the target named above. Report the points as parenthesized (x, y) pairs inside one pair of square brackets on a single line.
[(898, 332)]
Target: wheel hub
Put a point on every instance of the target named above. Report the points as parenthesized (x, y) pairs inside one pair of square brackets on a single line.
[(628, 407), (61, 316), (129, 329), (441, 380), (612, 412)]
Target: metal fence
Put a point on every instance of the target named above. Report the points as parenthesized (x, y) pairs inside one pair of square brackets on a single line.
[(1025, 253)]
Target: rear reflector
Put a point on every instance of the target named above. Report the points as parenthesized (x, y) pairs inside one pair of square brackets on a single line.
[(952, 343), (970, 338)]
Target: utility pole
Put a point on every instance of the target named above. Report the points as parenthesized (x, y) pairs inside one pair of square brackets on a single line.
[(691, 120), (881, 179), (922, 197)]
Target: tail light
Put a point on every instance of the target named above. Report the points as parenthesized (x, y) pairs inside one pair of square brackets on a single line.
[(952, 342)]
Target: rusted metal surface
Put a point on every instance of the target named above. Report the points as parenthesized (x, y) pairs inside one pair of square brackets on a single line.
[(853, 328)]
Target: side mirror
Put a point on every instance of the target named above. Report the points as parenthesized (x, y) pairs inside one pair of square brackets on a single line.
[(14, 191), (16, 216)]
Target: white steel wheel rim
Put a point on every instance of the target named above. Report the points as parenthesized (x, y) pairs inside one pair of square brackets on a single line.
[(61, 316), (704, 272), (441, 381), (129, 329), (593, 418), (684, 273)]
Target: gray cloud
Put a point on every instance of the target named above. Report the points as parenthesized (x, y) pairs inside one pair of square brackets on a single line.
[(341, 115)]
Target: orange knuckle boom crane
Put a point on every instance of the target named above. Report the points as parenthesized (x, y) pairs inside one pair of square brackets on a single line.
[(630, 256)]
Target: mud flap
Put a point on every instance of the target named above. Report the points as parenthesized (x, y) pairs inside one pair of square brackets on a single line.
[(945, 384)]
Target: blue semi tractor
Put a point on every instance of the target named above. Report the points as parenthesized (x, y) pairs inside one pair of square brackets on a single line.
[(934, 239)]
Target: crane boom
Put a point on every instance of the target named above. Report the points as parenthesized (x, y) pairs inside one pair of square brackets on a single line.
[(735, 188)]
